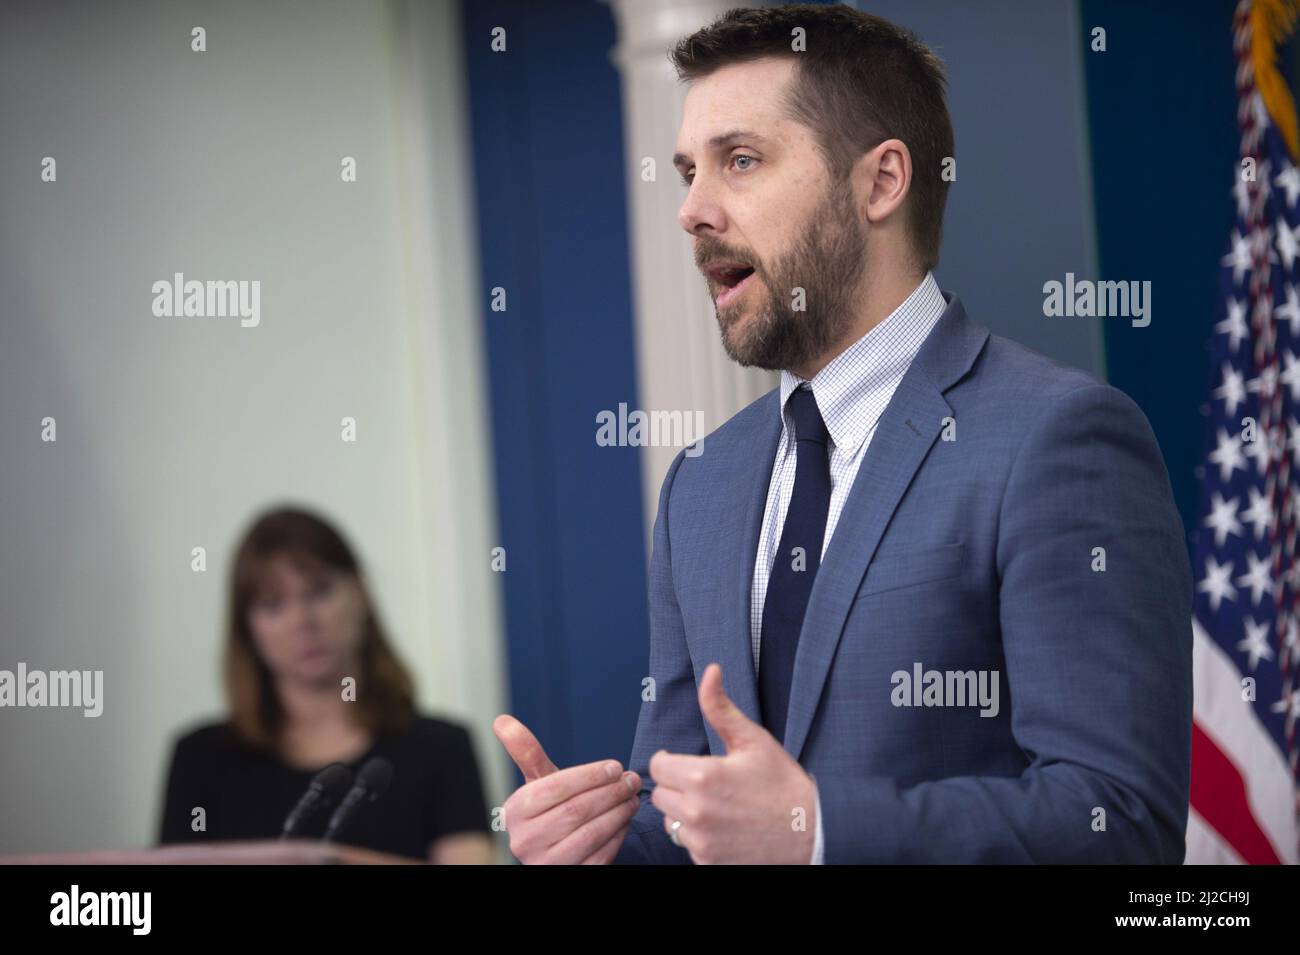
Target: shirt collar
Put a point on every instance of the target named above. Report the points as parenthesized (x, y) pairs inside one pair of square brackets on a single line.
[(877, 360)]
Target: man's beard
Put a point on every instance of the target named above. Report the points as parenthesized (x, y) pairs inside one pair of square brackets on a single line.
[(827, 262)]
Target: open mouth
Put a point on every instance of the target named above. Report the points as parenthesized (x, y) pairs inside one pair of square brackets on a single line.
[(733, 279)]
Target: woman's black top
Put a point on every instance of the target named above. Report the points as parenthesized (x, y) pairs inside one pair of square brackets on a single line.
[(436, 790)]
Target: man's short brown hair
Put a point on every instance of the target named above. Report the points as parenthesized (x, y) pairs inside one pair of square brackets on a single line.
[(859, 81)]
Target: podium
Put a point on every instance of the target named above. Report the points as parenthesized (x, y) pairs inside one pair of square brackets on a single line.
[(262, 852)]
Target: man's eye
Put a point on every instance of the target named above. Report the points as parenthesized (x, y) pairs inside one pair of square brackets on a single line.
[(736, 159)]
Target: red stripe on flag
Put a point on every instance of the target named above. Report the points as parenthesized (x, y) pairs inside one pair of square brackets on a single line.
[(1219, 795)]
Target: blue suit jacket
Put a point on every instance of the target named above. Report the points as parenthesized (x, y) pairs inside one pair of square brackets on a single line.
[(970, 554)]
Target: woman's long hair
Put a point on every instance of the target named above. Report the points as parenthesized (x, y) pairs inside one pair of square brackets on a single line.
[(385, 691)]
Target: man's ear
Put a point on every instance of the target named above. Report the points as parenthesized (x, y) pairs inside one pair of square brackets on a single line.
[(882, 178)]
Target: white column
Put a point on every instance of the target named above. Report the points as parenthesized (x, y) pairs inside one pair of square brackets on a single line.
[(454, 508), (681, 365)]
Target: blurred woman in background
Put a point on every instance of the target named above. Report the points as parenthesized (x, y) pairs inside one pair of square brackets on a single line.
[(300, 624)]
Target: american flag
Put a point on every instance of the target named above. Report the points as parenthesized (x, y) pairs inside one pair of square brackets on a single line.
[(1246, 625)]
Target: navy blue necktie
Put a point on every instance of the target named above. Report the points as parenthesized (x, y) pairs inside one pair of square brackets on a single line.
[(797, 558)]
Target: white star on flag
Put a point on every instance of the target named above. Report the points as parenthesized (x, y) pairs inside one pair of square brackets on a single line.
[(1289, 180), (1235, 324), (1260, 513), (1227, 455), (1233, 389), (1290, 310), (1287, 246), (1257, 578), (1255, 646), (1216, 582), (1239, 257)]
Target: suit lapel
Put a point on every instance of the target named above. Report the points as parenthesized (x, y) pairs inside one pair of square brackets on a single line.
[(903, 436), (741, 522)]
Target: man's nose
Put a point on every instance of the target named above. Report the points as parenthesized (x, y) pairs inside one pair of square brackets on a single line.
[(700, 213)]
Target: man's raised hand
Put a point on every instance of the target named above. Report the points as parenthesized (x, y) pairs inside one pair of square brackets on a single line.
[(568, 816)]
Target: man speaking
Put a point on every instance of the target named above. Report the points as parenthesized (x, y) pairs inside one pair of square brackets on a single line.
[(927, 601)]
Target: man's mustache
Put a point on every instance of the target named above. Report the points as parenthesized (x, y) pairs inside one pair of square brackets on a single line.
[(706, 256)]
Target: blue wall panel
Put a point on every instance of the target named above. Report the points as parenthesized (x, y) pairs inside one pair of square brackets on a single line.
[(1163, 124), (548, 160)]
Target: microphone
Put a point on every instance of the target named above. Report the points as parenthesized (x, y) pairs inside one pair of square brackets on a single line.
[(324, 791), (372, 780)]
